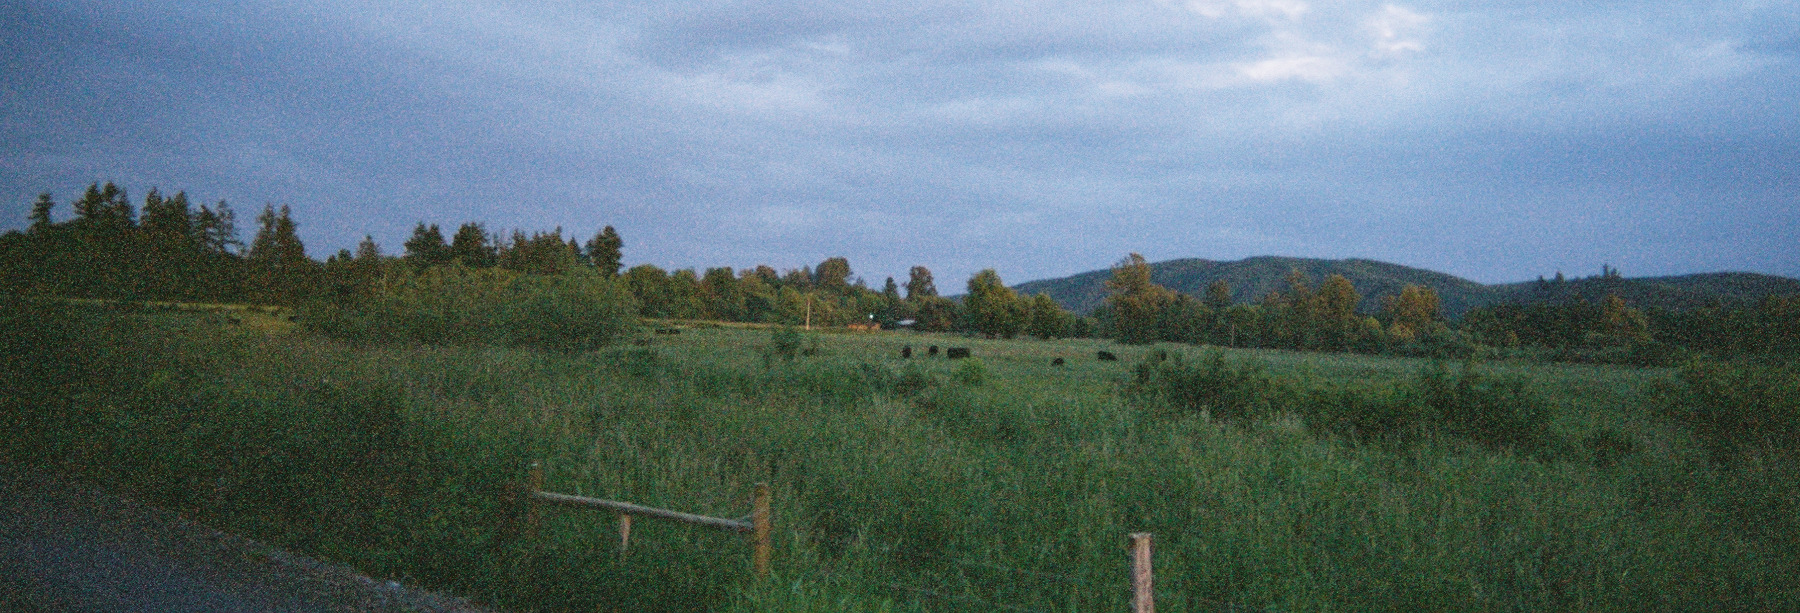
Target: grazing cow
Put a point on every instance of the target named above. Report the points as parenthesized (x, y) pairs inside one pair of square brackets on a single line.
[(293, 318), (906, 352), (234, 321), (1056, 362), (1106, 356), (931, 351), (956, 352)]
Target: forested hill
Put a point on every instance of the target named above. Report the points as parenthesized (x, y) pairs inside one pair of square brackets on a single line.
[(1674, 293), (1252, 278)]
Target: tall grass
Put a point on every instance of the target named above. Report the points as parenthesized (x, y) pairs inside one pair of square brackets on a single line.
[(900, 484)]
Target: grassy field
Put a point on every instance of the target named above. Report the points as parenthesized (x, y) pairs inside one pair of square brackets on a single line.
[(997, 482)]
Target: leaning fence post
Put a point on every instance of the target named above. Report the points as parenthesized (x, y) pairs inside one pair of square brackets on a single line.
[(1144, 599), (759, 520), (534, 485), (624, 534)]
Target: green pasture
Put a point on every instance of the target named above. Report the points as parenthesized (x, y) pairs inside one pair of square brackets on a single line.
[(995, 483)]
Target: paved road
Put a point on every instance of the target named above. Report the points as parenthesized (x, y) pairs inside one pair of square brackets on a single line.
[(69, 547)]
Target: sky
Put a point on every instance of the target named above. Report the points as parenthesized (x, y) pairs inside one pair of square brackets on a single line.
[(1496, 140)]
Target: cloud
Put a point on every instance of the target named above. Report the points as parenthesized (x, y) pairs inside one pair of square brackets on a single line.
[(1396, 30), (1031, 136)]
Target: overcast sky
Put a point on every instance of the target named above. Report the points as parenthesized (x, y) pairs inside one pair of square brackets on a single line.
[(1497, 140)]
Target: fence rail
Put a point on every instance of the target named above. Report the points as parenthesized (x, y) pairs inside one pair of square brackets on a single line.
[(758, 523), (740, 525), (759, 526)]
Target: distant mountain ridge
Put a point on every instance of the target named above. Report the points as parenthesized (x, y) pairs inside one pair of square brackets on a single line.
[(1253, 278)]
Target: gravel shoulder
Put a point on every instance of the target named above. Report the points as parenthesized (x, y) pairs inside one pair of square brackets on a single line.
[(67, 546)]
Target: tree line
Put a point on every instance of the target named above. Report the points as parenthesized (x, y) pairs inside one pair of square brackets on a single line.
[(168, 248)]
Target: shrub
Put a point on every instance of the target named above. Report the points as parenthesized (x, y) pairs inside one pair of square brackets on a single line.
[(574, 311), (1608, 446), (971, 371), (1737, 408), (1472, 405), (1369, 412), (1227, 392), (784, 342)]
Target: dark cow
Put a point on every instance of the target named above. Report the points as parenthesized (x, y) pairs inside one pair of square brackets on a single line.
[(1106, 356), (906, 352), (1056, 362), (668, 330), (956, 353), (931, 351)]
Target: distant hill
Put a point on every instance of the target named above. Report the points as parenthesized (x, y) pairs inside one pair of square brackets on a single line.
[(1674, 293), (1252, 278)]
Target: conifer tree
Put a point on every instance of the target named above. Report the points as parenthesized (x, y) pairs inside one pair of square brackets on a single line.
[(472, 247), (40, 213), (367, 249), (426, 248), (217, 227), (604, 252), (278, 259)]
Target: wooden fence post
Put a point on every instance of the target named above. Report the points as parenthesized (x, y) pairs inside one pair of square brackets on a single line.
[(533, 485), (1144, 599), (759, 518), (624, 535)]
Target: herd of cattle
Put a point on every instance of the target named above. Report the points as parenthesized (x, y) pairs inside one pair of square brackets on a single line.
[(955, 353), (952, 353)]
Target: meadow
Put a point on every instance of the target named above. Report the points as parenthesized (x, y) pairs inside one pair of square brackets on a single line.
[(998, 482)]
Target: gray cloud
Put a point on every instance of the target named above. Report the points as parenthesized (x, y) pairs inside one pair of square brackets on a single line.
[(1494, 140)]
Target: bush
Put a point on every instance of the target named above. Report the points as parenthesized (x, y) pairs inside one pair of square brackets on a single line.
[(784, 342), (971, 371), (1386, 413), (1227, 392), (1494, 411), (1737, 408), (1471, 405), (574, 311)]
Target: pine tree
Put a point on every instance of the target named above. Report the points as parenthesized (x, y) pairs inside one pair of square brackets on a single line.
[(426, 248), (472, 247), (367, 250), (542, 253), (40, 213), (278, 259), (217, 227), (604, 252)]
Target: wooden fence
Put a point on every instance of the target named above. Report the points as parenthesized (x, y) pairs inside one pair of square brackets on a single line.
[(757, 523), (759, 526)]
